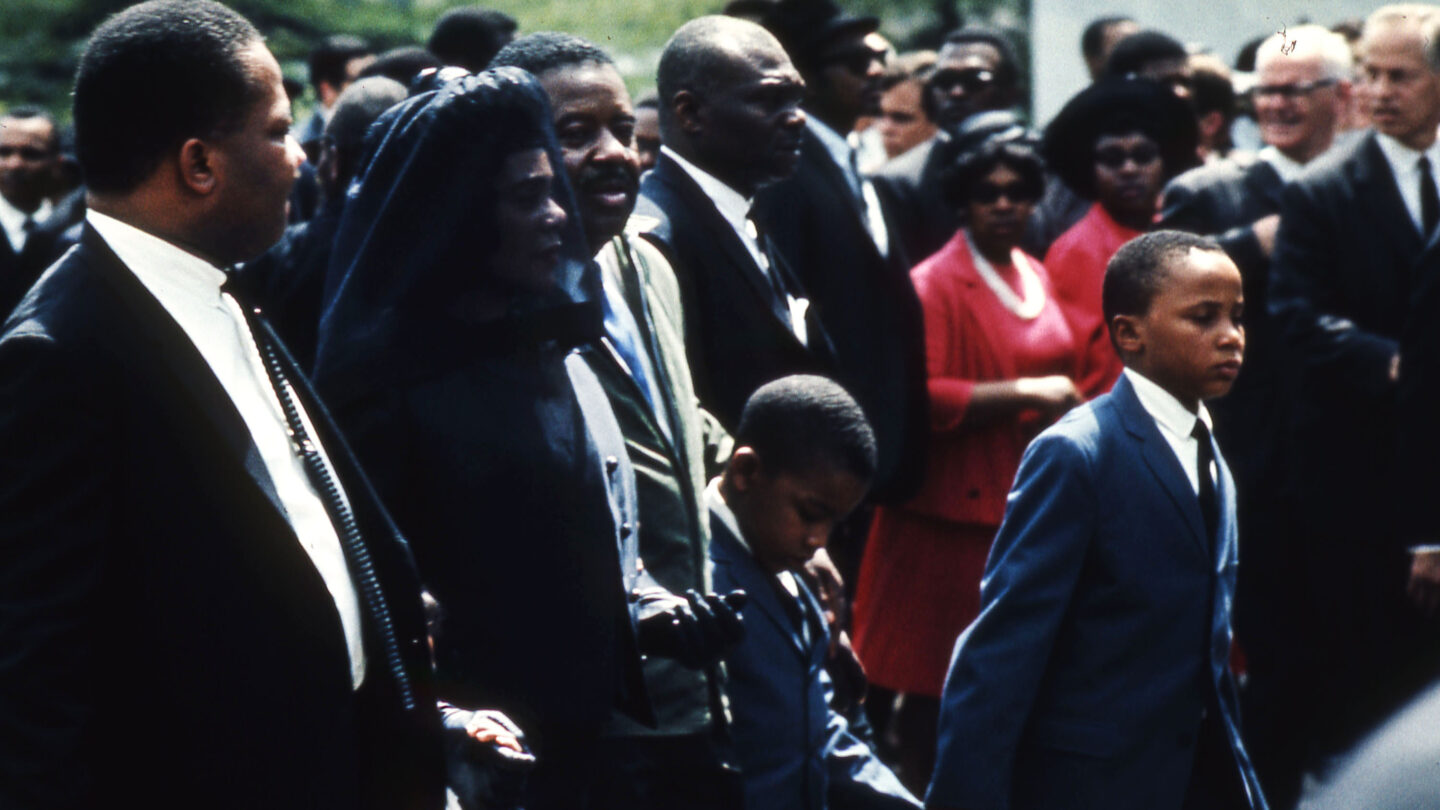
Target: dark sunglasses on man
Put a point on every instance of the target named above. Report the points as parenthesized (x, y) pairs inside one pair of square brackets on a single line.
[(856, 60), (973, 80)]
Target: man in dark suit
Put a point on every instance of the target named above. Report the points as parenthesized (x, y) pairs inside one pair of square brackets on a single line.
[(975, 71), (1357, 238), (731, 124), (204, 602), (31, 226), (1302, 94), (827, 221)]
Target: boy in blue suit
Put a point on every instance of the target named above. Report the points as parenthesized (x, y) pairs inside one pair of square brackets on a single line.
[(804, 457), (1096, 675)]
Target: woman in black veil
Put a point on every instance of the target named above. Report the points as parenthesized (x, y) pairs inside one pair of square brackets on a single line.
[(458, 287)]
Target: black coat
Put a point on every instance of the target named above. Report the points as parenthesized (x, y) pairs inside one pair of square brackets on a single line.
[(866, 302), (736, 340), (44, 245), (167, 638)]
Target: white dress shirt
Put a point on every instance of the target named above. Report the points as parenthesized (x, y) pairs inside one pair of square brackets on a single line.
[(735, 210), (1404, 167), (188, 288), (1176, 423), (12, 219), (1284, 165), (844, 155)]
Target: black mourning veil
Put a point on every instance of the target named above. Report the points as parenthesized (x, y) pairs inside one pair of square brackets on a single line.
[(419, 231)]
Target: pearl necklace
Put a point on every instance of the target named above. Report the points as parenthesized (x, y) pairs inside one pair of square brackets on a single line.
[(1027, 308)]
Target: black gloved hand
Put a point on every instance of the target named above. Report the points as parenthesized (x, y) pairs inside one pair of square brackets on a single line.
[(695, 631)]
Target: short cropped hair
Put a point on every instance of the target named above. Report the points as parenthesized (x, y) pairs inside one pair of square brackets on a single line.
[(329, 58), (29, 113), (402, 64), (469, 37), (804, 423), (546, 50), (1337, 60), (1093, 39), (153, 76), (1136, 51), (1008, 71), (1139, 268)]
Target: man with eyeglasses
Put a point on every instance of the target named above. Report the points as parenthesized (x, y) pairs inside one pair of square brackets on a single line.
[(1302, 93), (29, 166), (828, 223), (975, 71), (1353, 292)]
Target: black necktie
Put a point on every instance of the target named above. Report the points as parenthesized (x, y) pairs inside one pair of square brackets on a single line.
[(1429, 199), (357, 554), (1209, 504)]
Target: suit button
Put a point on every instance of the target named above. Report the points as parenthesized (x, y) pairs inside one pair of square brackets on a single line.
[(611, 464)]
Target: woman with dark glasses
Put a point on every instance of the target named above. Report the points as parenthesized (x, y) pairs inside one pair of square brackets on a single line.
[(1002, 362), (1117, 143)]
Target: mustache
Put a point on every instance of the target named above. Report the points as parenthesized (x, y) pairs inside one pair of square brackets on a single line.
[(624, 177)]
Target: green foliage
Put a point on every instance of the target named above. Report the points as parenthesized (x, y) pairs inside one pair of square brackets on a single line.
[(40, 40)]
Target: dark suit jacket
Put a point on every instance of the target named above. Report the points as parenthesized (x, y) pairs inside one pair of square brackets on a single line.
[(866, 302), (909, 187), (1346, 263), (736, 339), (1104, 623), (289, 279), (44, 245), (167, 639), (795, 752)]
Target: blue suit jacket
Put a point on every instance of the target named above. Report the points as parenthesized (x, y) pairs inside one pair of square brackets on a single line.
[(1104, 619), (793, 750)]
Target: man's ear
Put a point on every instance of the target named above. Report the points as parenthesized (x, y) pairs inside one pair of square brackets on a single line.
[(1128, 334), (744, 467), (197, 167), (686, 107)]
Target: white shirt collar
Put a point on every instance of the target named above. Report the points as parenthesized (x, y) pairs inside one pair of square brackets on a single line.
[(12, 220), (1403, 168), (167, 270), (733, 205), (1164, 407), (1285, 166)]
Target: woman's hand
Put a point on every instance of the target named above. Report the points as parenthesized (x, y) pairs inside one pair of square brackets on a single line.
[(1054, 394)]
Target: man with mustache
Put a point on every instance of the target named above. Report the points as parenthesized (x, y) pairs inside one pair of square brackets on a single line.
[(1300, 99), (730, 124), (642, 366), (1353, 295)]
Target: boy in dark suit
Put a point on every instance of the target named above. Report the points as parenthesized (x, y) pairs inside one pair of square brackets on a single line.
[(1096, 675), (804, 457)]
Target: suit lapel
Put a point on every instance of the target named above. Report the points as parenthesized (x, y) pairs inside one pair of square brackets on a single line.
[(1376, 183), (1161, 460), (758, 585), (184, 367)]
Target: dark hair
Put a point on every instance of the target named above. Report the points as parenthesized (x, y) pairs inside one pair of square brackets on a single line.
[(1141, 48), (1094, 37), (803, 423), (28, 112), (470, 37), (547, 50), (650, 100), (1211, 89), (329, 58), (355, 111), (958, 180), (401, 64), (153, 76), (1007, 72), (1140, 266)]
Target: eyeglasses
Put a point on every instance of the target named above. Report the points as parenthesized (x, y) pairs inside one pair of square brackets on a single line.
[(856, 61), (987, 193), (973, 80), (1114, 157), (1290, 92)]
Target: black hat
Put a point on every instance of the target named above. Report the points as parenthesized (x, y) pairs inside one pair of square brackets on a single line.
[(804, 27), (1115, 106)]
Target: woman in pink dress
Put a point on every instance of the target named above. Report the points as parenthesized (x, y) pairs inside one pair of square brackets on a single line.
[(1002, 362)]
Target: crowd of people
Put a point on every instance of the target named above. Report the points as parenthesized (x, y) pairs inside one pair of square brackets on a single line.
[(812, 432)]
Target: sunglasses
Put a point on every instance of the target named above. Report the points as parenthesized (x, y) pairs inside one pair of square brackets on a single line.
[(987, 193), (973, 80), (1114, 157), (857, 61), (1290, 92), (25, 152)]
